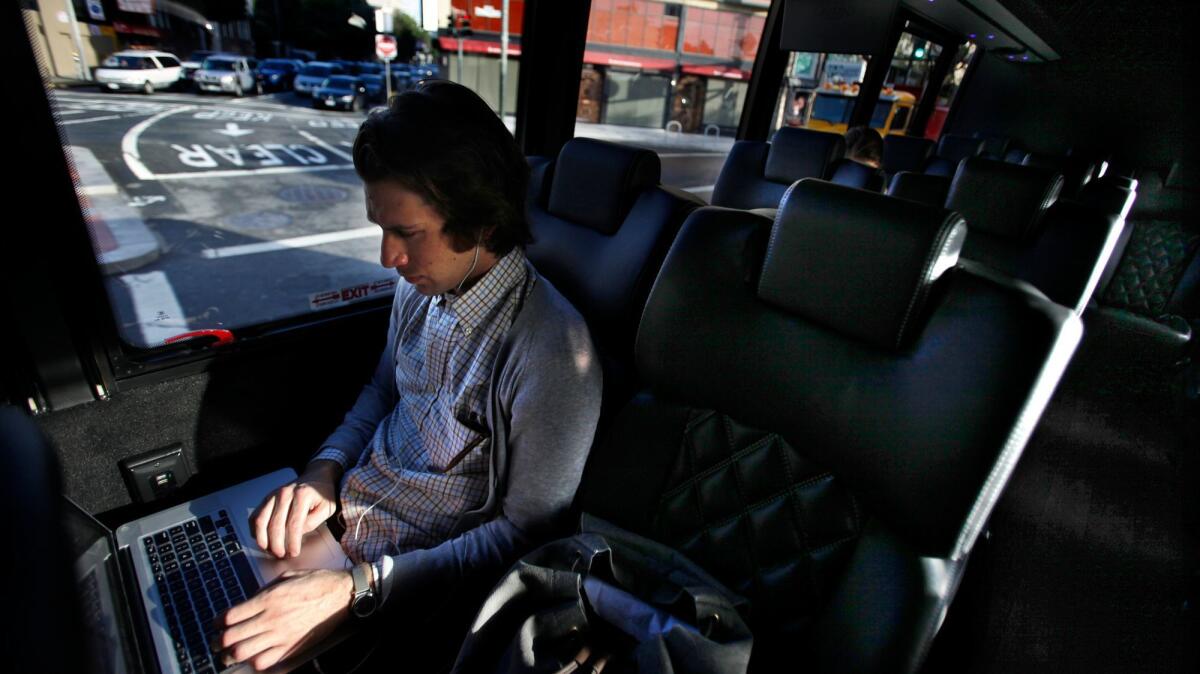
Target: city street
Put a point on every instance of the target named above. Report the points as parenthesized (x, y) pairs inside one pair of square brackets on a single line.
[(219, 212)]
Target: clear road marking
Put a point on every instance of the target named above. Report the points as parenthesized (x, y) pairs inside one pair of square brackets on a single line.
[(287, 244), (159, 314), (236, 173), (699, 188), (129, 143), (328, 148), (143, 201), (681, 155), (70, 111), (91, 119)]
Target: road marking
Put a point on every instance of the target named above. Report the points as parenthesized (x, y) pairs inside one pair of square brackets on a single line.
[(680, 155), (129, 143), (159, 314), (328, 148), (233, 130), (92, 119), (295, 242), (699, 188), (96, 190), (236, 173)]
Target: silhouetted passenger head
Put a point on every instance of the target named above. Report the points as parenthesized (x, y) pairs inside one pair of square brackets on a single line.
[(864, 145), (443, 142)]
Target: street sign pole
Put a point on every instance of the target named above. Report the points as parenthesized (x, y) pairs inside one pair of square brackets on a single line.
[(503, 55), (387, 78)]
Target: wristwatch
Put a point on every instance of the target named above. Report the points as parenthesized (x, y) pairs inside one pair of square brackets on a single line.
[(365, 600)]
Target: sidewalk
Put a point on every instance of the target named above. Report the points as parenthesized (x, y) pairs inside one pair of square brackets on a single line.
[(654, 139), (121, 238)]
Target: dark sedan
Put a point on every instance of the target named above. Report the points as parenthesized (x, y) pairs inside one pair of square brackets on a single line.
[(342, 92), (277, 74)]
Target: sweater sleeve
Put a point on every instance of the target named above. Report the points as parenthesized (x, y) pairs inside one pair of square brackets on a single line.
[(553, 388), (376, 400)]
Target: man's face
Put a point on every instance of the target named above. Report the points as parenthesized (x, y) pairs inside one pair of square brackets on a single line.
[(414, 243)]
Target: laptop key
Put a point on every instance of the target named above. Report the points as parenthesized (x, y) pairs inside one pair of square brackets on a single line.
[(206, 523)]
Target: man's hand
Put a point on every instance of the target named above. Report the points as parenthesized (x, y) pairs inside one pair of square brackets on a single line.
[(297, 508), (283, 619)]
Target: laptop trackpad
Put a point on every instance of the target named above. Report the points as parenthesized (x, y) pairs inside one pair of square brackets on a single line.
[(318, 550)]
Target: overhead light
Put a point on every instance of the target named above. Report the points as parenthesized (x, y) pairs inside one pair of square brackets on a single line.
[(972, 36), (991, 36)]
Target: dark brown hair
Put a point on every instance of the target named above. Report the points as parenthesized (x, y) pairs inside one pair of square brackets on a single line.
[(864, 144), (443, 142)]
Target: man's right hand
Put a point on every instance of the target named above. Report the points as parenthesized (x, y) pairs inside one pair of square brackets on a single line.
[(296, 509)]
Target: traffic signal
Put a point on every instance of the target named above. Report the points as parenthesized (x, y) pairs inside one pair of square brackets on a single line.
[(460, 24)]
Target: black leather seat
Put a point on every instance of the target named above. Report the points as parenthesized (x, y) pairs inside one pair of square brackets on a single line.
[(850, 173), (920, 187), (950, 151), (1021, 229), (1153, 297), (602, 224), (994, 147), (832, 413), (905, 153), (756, 174)]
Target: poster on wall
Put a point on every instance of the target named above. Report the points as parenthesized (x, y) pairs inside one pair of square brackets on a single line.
[(136, 6)]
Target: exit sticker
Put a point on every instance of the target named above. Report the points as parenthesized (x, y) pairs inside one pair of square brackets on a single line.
[(354, 293)]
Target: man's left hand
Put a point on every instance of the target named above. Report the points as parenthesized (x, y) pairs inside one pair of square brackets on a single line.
[(284, 618)]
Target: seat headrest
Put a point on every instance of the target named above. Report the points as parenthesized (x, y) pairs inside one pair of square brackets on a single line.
[(802, 153), (853, 174), (920, 187), (905, 153), (858, 263), (595, 183), (994, 147), (1003, 199), (1015, 156), (957, 148)]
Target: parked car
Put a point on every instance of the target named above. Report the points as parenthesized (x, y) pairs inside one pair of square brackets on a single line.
[(368, 68), (344, 92), (226, 73), (145, 71), (278, 74), (314, 75), (376, 91), (192, 63)]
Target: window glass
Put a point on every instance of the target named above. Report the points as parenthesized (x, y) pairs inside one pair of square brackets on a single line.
[(906, 83), (948, 90), (819, 91), (672, 77), (209, 211)]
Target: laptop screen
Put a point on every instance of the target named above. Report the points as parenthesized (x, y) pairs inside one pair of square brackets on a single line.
[(102, 602)]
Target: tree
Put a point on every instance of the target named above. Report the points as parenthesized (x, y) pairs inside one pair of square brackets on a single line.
[(409, 34)]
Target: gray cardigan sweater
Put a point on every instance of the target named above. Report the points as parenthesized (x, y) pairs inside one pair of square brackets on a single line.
[(542, 410)]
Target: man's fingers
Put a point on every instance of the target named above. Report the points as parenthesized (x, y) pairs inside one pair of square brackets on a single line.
[(239, 632), (261, 518), (268, 658), (242, 612), (277, 529), (302, 501), (246, 649)]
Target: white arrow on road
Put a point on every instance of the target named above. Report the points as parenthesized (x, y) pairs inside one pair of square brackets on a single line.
[(233, 130)]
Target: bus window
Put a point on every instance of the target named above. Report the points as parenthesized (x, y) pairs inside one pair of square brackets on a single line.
[(819, 91), (948, 90), (219, 191), (672, 77), (907, 81)]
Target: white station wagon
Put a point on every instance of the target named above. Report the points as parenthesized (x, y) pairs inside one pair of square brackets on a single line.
[(144, 71)]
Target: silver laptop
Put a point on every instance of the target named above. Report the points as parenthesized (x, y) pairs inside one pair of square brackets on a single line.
[(180, 568)]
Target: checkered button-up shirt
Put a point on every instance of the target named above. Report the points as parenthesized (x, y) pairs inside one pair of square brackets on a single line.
[(428, 460)]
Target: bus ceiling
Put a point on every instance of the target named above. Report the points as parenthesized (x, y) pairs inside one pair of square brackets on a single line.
[(863, 26)]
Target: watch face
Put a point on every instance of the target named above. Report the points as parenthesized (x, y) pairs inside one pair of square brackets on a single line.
[(364, 605)]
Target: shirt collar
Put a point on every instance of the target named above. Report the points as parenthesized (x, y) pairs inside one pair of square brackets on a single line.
[(474, 305)]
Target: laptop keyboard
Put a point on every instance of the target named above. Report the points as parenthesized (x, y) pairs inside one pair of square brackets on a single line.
[(200, 569)]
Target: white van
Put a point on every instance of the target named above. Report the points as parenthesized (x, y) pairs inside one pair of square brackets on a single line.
[(145, 71)]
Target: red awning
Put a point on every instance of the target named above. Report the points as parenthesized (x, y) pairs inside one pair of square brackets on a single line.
[(717, 71), (148, 31), (627, 61), (477, 46)]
